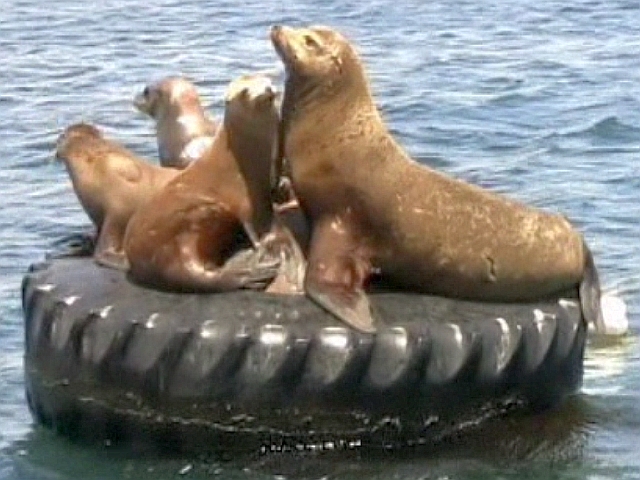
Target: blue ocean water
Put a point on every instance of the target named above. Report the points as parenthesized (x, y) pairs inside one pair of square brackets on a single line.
[(539, 100)]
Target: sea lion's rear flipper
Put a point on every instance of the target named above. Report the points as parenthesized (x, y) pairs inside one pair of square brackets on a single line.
[(252, 278), (294, 220), (244, 271), (290, 278), (590, 293), (336, 273), (248, 268)]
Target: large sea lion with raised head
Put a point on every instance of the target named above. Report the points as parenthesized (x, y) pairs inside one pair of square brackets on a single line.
[(186, 237), (111, 182), (374, 210), (184, 129)]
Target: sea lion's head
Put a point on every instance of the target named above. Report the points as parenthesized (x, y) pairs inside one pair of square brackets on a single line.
[(318, 58), (72, 141), (252, 125), (251, 101), (310, 52), (171, 95)]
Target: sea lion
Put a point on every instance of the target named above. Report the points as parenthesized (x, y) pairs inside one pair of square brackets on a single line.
[(374, 212), (184, 129), (185, 238), (185, 132), (111, 182)]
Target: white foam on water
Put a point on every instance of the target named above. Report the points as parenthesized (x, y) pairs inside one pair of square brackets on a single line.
[(614, 311), (608, 354)]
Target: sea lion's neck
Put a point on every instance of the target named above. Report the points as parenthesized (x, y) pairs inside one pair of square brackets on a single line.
[(299, 95), (346, 125), (304, 96), (80, 159), (254, 148), (78, 169), (309, 110), (175, 129), (160, 176)]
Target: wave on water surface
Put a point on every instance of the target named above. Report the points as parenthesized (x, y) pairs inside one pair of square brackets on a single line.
[(610, 129)]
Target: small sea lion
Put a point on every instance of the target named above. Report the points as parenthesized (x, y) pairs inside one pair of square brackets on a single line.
[(185, 238), (184, 129), (376, 212), (111, 182), (185, 132)]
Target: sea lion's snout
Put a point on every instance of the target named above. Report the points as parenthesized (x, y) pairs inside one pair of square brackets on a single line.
[(279, 38), (59, 147), (275, 32), (141, 100)]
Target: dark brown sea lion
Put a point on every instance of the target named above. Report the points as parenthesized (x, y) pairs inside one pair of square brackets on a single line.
[(185, 238), (111, 183), (373, 210), (184, 129)]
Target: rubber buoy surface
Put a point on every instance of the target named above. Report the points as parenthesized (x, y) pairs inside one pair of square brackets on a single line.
[(108, 360)]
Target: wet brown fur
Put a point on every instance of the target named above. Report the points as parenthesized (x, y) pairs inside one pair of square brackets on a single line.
[(167, 101), (184, 239), (375, 210), (111, 183)]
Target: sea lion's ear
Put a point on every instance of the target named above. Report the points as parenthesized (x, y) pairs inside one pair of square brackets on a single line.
[(310, 41), (337, 59)]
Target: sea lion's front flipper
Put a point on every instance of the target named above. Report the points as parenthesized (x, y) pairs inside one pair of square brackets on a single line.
[(590, 293), (351, 307), (111, 259), (109, 252), (337, 270)]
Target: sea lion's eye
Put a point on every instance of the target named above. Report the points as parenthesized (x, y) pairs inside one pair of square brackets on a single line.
[(310, 42), (146, 92)]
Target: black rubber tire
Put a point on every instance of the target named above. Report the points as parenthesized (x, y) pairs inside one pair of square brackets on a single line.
[(107, 360)]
